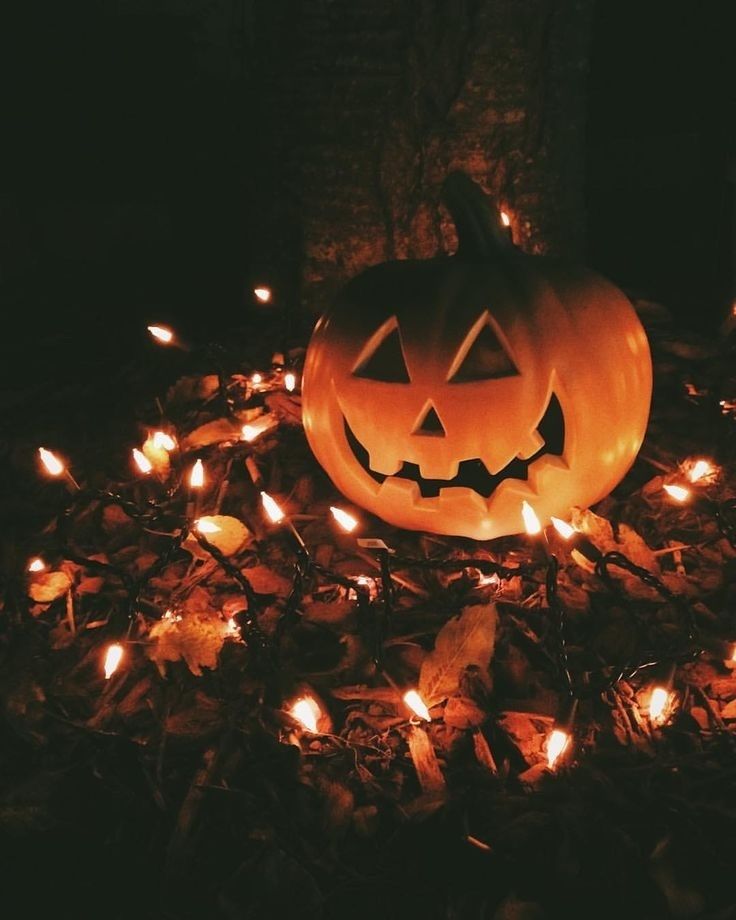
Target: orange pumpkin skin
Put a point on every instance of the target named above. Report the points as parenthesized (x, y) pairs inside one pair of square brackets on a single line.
[(400, 399)]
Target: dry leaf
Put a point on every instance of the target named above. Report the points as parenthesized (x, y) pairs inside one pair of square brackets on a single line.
[(626, 540), (463, 641), (91, 585), (191, 389), (229, 539), (286, 407), (215, 432), (265, 581), (198, 718), (197, 639), (48, 586), (461, 712)]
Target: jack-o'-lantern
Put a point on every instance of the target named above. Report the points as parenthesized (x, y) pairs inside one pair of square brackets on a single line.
[(441, 394)]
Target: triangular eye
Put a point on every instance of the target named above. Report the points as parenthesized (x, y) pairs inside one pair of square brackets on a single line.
[(486, 359), (386, 362)]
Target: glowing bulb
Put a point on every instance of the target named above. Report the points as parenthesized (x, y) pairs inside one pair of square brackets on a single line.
[(345, 520), (679, 493), (113, 657), (205, 526), (531, 521), (270, 506), (659, 705), (263, 294), (563, 528), (700, 469), (163, 440), (556, 744), (142, 461), (505, 219), (162, 334), (36, 565), (196, 477), (54, 466), (306, 712), (290, 381), (365, 581), (417, 705), (252, 430), (256, 378), (232, 628)]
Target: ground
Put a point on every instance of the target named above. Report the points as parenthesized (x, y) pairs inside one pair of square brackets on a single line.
[(184, 787)]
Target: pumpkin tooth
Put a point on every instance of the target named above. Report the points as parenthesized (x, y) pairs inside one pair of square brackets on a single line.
[(399, 490), (532, 443), (439, 468), (384, 464)]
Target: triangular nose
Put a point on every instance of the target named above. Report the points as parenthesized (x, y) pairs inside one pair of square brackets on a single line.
[(430, 423)]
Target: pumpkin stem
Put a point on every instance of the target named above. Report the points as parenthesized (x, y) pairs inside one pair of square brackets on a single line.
[(479, 232)]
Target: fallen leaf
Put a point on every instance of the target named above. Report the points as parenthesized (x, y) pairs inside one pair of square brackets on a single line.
[(231, 536), (729, 711), (286, 407), (200, 717), (626, 540), (197, 639), (463, 641), (90, 585), (48, 586), (192, 388), (265, 581), (215, 432), (461, 712)]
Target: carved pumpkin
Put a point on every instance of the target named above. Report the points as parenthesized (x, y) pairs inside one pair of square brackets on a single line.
[(440, 394)]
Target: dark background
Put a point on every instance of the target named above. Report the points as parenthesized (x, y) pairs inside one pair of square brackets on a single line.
[(139, 139)]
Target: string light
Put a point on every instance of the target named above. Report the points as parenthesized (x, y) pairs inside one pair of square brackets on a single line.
[(54, 467), (52, 464), (307, 713), (252, 430), (263, 294), (142, 461), (272, 509), (558, 740), (417, 705), (204, 526), (196, 476), (161, 334), (661, 699), (113, 657), (658, 704), (345, 520), (556, 746), (532, 524), (583, 551), (37, 565), (306, 709), (505, 219), (679, 493), (701, 469), (163, 440)]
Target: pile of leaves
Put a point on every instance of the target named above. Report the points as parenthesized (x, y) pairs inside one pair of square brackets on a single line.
[(184, 786)]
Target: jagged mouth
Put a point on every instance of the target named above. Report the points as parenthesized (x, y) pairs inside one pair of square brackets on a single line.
[(473, 474)]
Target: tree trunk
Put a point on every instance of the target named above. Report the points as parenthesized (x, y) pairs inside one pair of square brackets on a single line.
[(370, 103)]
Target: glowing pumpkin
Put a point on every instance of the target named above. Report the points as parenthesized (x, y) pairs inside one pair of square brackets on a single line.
[(440, 394)]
